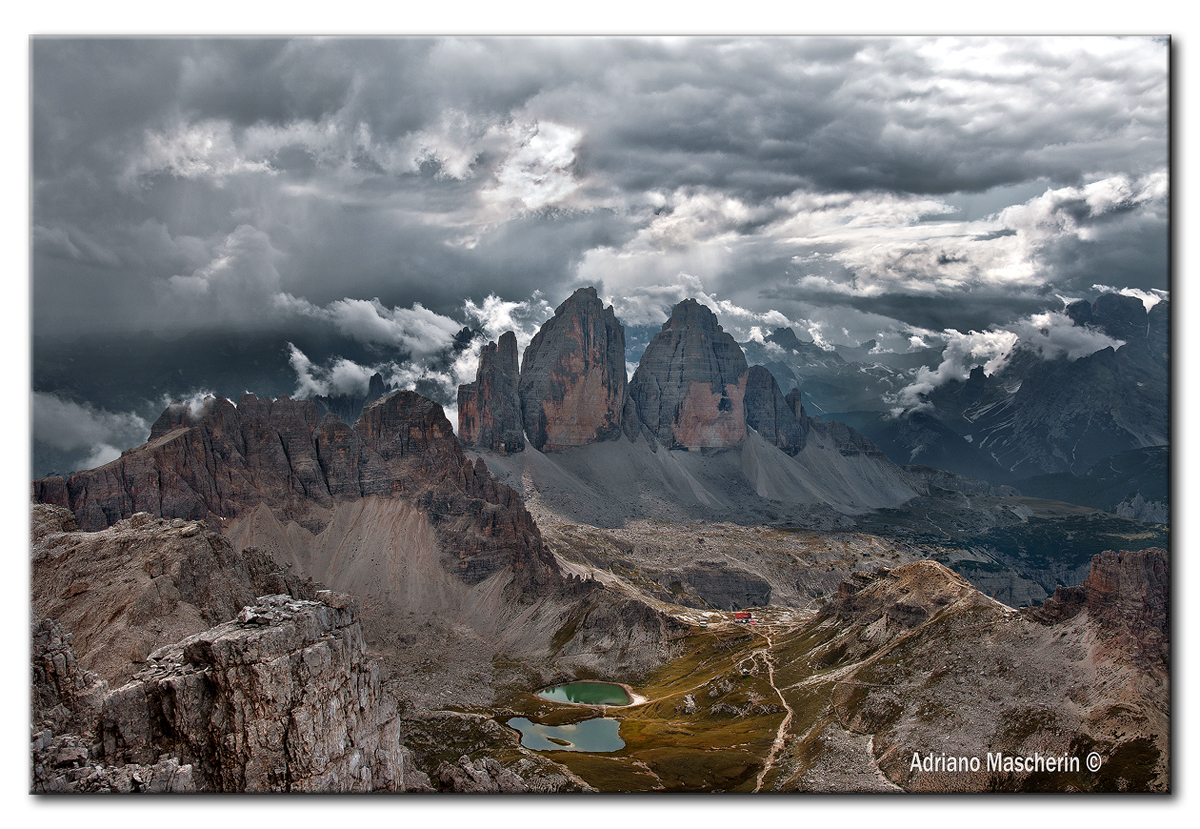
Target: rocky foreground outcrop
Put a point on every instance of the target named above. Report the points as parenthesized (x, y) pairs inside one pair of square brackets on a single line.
[(690, 385), (282, 698), (223, 461), (1126, 592), (123, 591)]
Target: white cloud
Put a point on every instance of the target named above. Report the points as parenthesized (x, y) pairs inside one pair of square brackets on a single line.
[(889, 243), (650, 303), (95, 435), (236, 284), (203, 149), (816, 332), (341, 377), (693, 217), (1066, 210), (416, 329), (538, 172), (1051, 335), (196, 403), (496, 316), (1149, 298), (962, 353), (102, 454)]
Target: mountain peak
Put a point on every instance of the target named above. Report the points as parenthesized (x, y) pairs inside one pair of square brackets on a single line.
[(786, 338), (571, 387), (690, 313), (690, 385), (489, 410)]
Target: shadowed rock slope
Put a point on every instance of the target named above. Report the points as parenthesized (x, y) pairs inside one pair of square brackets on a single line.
[(779, 419), (920, 662)]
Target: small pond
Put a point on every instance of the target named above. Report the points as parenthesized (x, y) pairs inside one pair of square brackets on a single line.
[(587, 693), (596, 734)]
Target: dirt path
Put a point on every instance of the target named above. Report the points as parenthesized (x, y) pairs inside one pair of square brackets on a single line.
[(781, 735)]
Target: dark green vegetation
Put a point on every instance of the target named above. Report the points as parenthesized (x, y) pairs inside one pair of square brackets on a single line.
[(1070, 541), (919, 438)]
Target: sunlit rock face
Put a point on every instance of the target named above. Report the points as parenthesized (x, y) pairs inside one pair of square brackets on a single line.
[(489, 410), (572, 385), (690, 386)]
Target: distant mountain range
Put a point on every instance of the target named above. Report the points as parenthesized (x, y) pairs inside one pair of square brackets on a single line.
[(1045, 421)]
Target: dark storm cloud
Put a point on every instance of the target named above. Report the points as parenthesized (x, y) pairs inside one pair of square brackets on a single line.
[(366, 162), (964, 313), (382, 193), (867, 114), (1130, 253)]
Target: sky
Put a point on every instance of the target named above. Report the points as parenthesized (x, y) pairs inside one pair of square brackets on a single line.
[(1033, 16), (341, 206)]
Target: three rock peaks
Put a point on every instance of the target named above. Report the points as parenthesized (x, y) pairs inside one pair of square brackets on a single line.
[(692, 389)]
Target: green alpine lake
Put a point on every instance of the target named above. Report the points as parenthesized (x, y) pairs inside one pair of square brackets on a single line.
[(596, 734), (587, 693)]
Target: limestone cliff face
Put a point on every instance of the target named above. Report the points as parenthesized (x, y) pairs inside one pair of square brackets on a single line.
[(771, 414), (572, 384), (224, 461), (489, 410), (690, 386), (1127, 592), (282, 698)]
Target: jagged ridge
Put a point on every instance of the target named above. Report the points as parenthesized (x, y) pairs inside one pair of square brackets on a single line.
[(224, 461)]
